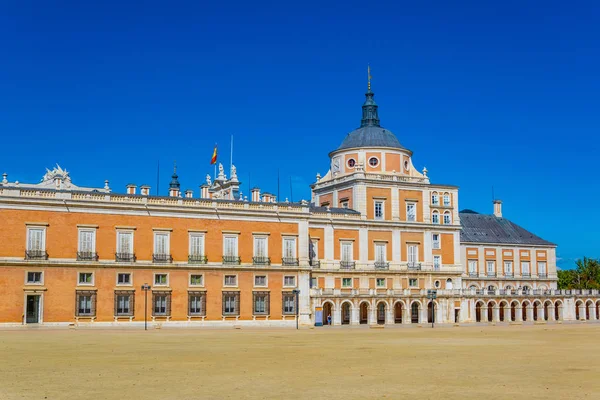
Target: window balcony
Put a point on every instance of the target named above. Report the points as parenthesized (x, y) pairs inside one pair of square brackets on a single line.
[(526, 274), (261, 260), (289, 261), (413, 266), (473, 274), (542, 275), (232, 260), (36, 255), (162, 258), (382, 265), (491, 274), (197, 259), (125, 257), (347, 264), (508, 275), (87, 256), (314, 263)]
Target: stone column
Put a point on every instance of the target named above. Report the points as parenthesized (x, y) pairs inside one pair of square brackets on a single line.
[(519, 314), (423, 313), (406, 315), (496, 314), (337, 315), (354, 314), (551, 313), (389, 316), (541, 313), (372, 315), (507, 313), (582, 312), (592, 312), (530, 313)]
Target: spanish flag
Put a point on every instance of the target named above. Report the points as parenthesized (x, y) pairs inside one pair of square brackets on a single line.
[(213, 160)]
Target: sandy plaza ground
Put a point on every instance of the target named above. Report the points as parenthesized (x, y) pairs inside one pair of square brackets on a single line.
[(491, 362)]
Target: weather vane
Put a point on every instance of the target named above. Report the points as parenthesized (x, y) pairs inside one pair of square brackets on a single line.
[(369, 76)]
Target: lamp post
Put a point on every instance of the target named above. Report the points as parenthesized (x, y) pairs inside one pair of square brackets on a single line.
[(145, 288), (432, 295), (297, 294)]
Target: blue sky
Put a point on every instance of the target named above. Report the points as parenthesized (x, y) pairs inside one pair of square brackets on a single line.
[(501, 94)]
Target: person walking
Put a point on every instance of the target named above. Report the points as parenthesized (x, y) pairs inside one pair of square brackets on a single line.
[(329, 320)]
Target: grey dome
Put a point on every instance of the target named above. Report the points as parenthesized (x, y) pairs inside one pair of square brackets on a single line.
[(370, 136)]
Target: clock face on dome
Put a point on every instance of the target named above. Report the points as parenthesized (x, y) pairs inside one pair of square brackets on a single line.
[(336, 165)]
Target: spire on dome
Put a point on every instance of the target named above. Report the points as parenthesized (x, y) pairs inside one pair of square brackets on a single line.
[(174, 178), (369, 108)]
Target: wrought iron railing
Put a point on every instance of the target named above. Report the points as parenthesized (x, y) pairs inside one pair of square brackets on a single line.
[(508, 275), (382, 265), (347, 264), (414, 266), (289, 261), (491, 274), (542, 275), (526, 274), (232, 260), (36, 255), (314, 263), (197, 259), (162, 258), (87, 256), (125, 257), (473, 274), (261, 260)]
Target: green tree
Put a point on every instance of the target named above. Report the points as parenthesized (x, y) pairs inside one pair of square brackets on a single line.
[(588, 272), (566, 278)]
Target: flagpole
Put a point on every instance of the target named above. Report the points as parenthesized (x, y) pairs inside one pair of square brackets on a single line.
[(231, 157)]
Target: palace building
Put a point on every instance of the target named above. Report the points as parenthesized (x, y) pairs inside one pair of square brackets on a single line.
[(373, 245)]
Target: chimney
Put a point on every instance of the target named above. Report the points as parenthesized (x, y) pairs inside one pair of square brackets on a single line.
[(131, 188), (145, 190), (498, 208), (189, 193), (204, 191), (255, 194)]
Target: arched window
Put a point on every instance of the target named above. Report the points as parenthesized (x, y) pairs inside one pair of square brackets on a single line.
[(435, 217), (449, 284), (435, 199), (446, 199), (447, 218)]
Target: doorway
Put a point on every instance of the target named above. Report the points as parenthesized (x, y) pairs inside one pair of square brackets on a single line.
[(327, 314), (345, 314), (381, 313), (32, 312), (364, 313), (414, 313)]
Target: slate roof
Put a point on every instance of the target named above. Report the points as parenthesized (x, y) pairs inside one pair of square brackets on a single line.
[(370, 136), (481, 228)]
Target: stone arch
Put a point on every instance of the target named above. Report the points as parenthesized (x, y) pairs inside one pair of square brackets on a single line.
[(537, 304), (431, 305), (399, 311), (526, 305), (547, 308), (558, 310), (490, 310), (363, 308), (328, 308), (598, 309), (578, 306), (503, 307), (346, 307), (514, 306), (381, 307), (473, 286), (415, 309), (479, 309), (589, 309), (449, 284)]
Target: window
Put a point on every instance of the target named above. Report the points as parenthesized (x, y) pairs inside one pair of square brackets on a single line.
[(85, 303), (542, 268), (289, 303), (36, 239), (196, 304), (260, 280), (344, 204), (261, 303), (435, 217), (289, 281), (161, 304), (413, 254), (508, 267), (124, 278), (380, 282), (34, 277), (373, 162), (346, 282), (351, 163), (161, 243), (86, 278), (435, 238), (436, 284), (125, 242), (260, 247), (491, 267), (124, 302), (446, 199), (346, 251), (437, 262), (406, 165), (196, 280), (230, 280), (231, 303), (314, 252), (380, 252), (161, 279), (87, 240), (411, 212), (472, 267), (413, 282), (447, 219), (435, 199), (230, 246), (525, 268), (196, 244), (289, 248), (378, 209)]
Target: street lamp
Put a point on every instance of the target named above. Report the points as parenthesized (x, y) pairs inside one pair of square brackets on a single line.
[(432, 295), (297, 294), (145, 288)]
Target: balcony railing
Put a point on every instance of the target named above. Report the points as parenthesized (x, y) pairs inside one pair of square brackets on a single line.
[(473, 274), (542, 275), (197, 259), (87, 256), (125, 257), (508, 275), (314, 263), (491, 274), (414, 266), (382, 265), (232, 260), (261, 260), (289, 261), (347, 264), (162, 258), (36, 255), (526, 274)]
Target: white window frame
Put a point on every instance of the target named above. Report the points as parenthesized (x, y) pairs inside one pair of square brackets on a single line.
[(121, 232), (347, 286), (27, 282), (528, 263), (447, 214), (439, 261), (435, 214), (315, 249), (167, 250), (446, 201), (380, 245), (414, 206), (225, 280), (351, 245), (93, 243), (202, 239), (289, 276), (472, 263), (236, 247), (489, 263), (166, 284), (375, 203), (435, 199), (266, 284), (377, 280), (545, 264), (294, 247), (414, 246), (79, 283), (124, 284), (436, 244), (256, 238), (509, 264), (416, 285), (190, 284), (43, 237)]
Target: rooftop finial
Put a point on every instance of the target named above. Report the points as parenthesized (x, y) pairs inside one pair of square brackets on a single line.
[(369, 77), (174, 166)]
